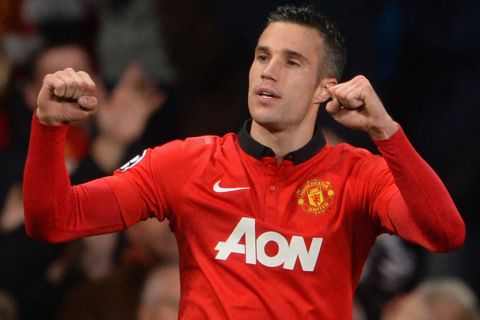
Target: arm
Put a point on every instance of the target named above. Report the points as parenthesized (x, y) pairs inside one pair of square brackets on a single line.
[(422, 211), (54, 210)]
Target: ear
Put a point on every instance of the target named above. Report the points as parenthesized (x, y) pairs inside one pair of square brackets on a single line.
[(321, 93)]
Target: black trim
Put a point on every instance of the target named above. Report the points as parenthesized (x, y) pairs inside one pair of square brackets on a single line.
[(258, 150)]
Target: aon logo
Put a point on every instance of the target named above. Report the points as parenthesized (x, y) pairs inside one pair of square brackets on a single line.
[(254, 248)]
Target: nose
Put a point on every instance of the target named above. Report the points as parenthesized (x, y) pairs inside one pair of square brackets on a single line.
[(271, 70)]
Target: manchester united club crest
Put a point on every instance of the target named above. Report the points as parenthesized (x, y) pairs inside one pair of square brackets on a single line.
[(315, 196)]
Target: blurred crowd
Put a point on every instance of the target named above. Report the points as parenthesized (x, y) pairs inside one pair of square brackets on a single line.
[(171, 69)]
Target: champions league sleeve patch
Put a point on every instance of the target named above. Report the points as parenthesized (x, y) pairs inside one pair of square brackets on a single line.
[(133, 162)]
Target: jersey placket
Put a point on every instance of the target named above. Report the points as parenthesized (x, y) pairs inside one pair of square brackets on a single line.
[(272, 189)]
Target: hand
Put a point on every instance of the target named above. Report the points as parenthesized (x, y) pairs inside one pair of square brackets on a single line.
[(356, 105), (66, 96), (126, 113), (124, 117)]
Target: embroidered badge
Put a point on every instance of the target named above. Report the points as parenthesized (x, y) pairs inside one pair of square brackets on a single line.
[(315, 196), (133, 162)]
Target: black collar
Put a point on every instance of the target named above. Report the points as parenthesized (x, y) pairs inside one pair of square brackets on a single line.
[(258, 150)]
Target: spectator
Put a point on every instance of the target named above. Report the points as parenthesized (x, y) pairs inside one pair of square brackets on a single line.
[(442, 299), (116, 296), (8, 308), (160, 295)]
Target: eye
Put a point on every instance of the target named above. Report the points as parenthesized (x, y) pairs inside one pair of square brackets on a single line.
[(293, 63), (262, 57)]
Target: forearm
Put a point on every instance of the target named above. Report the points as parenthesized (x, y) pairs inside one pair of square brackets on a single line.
[(423, 212), (54, 210)]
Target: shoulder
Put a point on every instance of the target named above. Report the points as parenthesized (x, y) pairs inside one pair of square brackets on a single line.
[(349, 151), (352, 156), (195, 149)]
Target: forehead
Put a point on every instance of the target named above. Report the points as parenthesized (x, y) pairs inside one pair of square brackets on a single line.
[(63, 57), (291, 36)]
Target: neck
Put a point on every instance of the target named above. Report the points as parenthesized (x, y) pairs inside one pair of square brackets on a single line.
[(282, 142)]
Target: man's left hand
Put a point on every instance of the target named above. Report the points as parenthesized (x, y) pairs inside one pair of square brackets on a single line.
[(356, 105)]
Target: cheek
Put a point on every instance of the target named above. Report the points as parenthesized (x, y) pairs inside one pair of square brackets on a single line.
[(253, 73), (300, 89)]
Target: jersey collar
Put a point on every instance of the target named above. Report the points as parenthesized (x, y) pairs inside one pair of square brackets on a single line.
[(258, 150)]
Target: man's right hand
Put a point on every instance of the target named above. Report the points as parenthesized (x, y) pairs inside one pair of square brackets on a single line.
[(66, 96)]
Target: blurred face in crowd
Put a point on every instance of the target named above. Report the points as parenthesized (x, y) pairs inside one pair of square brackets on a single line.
[(161, 295), (285, 87), (53, 60)]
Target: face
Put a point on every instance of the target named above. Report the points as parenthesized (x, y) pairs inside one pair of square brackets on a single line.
[(53, 60), (161, 295), (284, 87)]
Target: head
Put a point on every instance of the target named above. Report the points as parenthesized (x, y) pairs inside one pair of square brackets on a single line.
[(50, 60), (299, 54), (449, 299), (440, 299), (8, 306), (160, 296)]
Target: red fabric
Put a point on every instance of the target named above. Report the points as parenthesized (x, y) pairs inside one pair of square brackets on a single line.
[(77, 144), (54, 210), (432, 219), (341, 199)]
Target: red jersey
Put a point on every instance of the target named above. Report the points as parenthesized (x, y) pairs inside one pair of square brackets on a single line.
[(257, 239)]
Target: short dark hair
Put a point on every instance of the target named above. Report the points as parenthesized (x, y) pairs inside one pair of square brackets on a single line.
[(334, 42)]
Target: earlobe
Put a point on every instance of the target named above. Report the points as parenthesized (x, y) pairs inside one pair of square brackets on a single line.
[(321, 93)]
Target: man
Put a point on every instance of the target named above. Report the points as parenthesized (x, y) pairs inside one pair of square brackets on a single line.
[(160, 294), (270, 223)]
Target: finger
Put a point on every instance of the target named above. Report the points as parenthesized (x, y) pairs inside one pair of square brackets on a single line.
[(88, 103), (349, 94), (55, 84), (334, 106), (89, 83), (71, 84), (80, 84), (155, 97), (75, 112), (354, 98), (342, 92), (134, 76)]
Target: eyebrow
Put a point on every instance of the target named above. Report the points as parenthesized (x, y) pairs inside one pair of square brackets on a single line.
[(285, 52)]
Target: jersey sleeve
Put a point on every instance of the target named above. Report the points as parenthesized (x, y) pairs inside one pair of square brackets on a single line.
[(410, 200), (54, 210), (144, 187)]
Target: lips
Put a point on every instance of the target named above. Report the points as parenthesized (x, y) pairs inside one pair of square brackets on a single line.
[(267, 93)]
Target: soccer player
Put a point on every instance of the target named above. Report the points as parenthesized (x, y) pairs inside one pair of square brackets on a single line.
[(271, 223)]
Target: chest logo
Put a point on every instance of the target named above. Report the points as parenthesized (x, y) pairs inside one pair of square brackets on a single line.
[(217, 188), (316, 196)]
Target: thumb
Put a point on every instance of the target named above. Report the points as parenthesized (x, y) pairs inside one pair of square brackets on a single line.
[(334, 106)]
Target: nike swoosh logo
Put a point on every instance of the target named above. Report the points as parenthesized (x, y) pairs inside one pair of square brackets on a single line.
[(217, 188)]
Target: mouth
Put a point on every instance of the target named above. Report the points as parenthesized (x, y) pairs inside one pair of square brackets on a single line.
[(267, 93)]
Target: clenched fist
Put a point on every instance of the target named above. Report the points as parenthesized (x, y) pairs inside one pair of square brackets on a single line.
[(356, 105), (66, 96)]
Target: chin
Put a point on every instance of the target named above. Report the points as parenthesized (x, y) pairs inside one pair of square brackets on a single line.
[(267, 123)]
